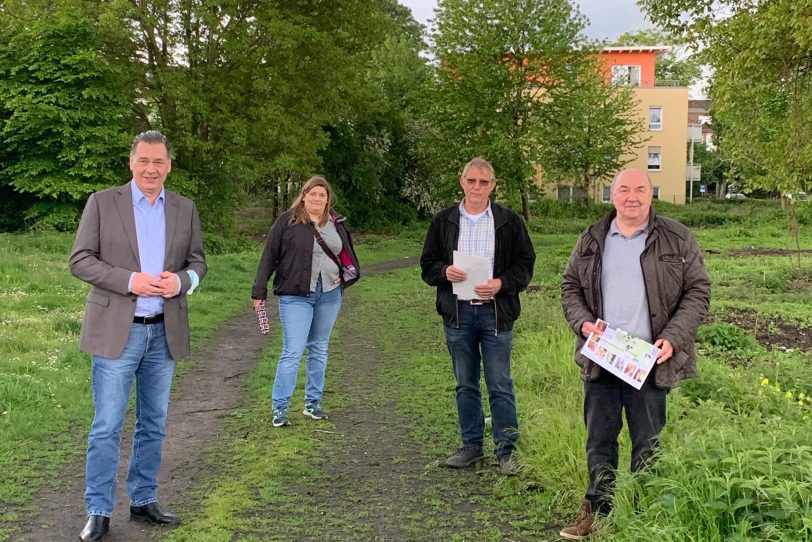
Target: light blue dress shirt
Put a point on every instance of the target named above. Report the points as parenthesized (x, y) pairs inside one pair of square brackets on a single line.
[(150, 228)]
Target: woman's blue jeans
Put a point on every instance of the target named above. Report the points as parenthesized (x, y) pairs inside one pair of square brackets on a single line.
[(146, 359), (306, 323), (475, 341)]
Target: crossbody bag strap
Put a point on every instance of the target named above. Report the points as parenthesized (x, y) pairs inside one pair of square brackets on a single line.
[(324, 246)]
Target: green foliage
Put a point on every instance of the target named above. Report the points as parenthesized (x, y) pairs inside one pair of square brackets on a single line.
[(504, 91), (250, 94), (725, 336), (53, 143), (218, 244), (589, 131), (760, 85)]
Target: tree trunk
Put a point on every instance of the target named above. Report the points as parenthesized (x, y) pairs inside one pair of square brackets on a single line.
[(525, 204)]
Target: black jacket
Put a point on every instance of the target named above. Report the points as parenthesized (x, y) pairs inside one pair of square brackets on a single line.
[(288, 255), (514, 258)]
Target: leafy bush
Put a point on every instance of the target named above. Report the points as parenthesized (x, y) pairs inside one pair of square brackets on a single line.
[(804, 214), (743, 477), (725, 336), (53, 216), (545, 208), (709, 219), (218, 244)]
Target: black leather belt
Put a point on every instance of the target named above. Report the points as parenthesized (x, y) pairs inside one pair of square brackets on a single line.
[(147, 320), (480, 301)]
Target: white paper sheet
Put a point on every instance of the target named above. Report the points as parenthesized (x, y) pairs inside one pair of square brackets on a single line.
[(475, 268)]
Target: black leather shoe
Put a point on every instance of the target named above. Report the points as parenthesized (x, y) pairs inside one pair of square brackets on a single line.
[(152, 513), (95, 529)]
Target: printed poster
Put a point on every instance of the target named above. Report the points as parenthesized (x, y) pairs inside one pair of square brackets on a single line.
[(627, 357)]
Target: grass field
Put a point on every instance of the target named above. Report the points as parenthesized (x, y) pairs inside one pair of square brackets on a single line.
[(736, 454)]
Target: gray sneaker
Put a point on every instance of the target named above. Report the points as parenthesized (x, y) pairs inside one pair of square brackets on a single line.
[(280, 417), (313, 410), (466, 456)]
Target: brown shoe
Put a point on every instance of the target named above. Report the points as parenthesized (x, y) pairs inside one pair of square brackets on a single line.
[(581, 528)]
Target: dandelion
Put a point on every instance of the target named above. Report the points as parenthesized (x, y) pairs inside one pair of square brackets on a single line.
[(788, 395), (801, 396), (765, 381)]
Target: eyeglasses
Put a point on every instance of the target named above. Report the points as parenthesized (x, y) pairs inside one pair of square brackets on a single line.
[(483, 183)]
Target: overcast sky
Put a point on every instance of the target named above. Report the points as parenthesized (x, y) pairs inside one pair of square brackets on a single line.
[(607, 18)]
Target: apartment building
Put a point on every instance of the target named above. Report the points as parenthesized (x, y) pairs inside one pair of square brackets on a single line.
[(664, 107)]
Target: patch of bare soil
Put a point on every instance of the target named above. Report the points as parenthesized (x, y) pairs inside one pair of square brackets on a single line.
[(771, 331), (377, 483)]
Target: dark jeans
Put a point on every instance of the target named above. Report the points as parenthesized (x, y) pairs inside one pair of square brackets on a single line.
[(473, 341), (605, 399)]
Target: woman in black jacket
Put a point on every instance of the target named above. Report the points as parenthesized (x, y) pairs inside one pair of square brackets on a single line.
[(310, 253)]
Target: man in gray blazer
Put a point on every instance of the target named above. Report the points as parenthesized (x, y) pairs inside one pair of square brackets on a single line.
[(140, 248)]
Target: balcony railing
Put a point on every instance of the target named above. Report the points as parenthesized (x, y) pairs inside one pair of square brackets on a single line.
[(646, 83)]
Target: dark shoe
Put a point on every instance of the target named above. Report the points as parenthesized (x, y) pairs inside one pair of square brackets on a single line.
[(508, 465), (581, 528), (280, 417), (152, 513), (466, 456), (313, 410), (95, 529)]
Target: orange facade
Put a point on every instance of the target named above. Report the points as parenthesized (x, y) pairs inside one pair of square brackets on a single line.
[(643, 58)]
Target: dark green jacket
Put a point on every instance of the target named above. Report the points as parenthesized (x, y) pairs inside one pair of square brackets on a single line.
[(677, 290)]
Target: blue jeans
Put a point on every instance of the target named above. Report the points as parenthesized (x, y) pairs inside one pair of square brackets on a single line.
[(306, 323), (146, 359), (605, 399), (473, 341)]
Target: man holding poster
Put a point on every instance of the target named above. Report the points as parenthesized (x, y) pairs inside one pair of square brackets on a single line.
[(644, 274)]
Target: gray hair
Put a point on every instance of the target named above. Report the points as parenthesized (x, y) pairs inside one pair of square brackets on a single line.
[(152, 137), (615, 178), (479, 163)]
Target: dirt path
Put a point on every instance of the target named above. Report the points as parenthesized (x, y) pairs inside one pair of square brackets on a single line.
[(377, 485), (209, 390)]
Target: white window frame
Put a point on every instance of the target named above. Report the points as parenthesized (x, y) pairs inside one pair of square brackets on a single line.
[(652, 126), (655, 192), (627, 74), (607, 194), (655, 165)]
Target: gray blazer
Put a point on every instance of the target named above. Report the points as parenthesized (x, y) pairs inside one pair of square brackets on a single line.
[(105, 254)]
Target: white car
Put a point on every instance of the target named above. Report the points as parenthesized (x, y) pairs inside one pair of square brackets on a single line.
[(737, 195)]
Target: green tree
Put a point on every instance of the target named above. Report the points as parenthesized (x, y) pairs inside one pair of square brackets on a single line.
[(64, 111), (498, 62), (761, 85), (591, 127), (373, 152), (517, 83), (677, 64)]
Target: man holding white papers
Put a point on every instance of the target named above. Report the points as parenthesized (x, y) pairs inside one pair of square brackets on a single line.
[(479, 256), (642, 273)]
